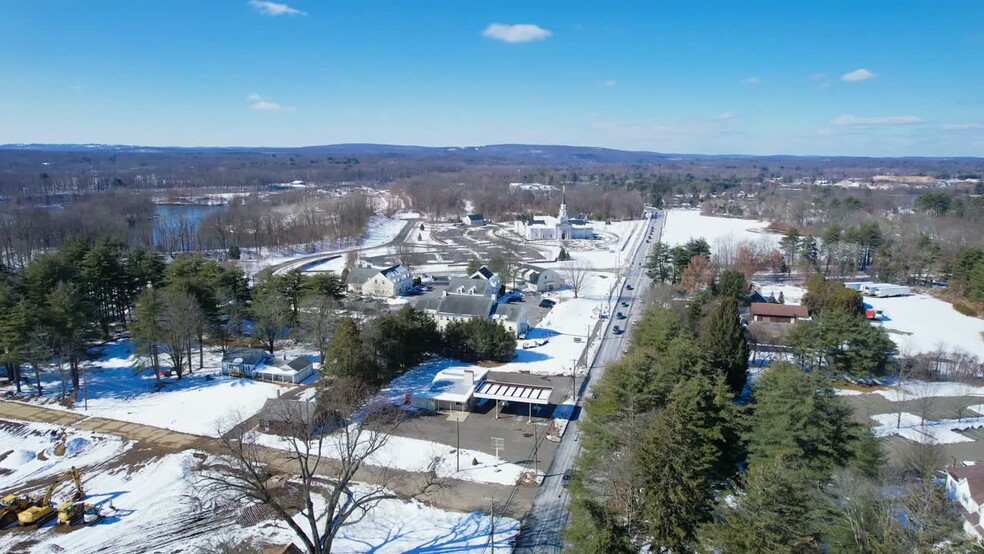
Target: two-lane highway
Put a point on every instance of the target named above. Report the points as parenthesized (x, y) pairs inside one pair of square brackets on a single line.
[(543, 530)]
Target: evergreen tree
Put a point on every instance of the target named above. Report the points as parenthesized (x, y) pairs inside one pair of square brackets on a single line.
[(724, 344), (346, 355), (796, 417), (776, 513), (731, 284), (594, 530), (675, 461)]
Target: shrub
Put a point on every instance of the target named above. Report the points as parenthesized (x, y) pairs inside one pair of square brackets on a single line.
[(964, 309)]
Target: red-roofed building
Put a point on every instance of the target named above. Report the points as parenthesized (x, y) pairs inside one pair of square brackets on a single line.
[(778, 313), (965, 485)]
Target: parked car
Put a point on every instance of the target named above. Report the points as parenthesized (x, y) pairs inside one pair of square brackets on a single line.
[(619, 315), (546, 303)]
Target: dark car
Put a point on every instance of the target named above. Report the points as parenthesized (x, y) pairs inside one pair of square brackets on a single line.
[(568, 475), (545, 303), (629, 287), (625, 304), (619, 315), (616, 330)]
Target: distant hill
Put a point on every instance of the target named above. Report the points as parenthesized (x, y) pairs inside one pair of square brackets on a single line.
[(558, 154)]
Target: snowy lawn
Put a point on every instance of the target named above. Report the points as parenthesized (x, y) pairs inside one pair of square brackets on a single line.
[(682, 225), (194, 404), (914, 428), (27, 451), (156, 506), (421, 456), (912, 390), (923, 324)]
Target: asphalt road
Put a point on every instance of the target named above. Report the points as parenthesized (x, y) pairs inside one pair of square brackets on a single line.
[(543, 530)]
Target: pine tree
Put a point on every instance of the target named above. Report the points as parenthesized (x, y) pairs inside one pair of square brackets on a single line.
[(776, 513), (724, 344), (346, 355), (795, 417), (675, 462)]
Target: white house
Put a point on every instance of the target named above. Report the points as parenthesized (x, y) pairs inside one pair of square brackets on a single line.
[(512, 317), (481, 283), (473, 220), (452, 389), (242, 361), (380, 283), (281, 370), (561, 227), (965, 485), (456, 307), (540, 279)]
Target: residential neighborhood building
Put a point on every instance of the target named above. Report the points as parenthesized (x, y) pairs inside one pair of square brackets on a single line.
[(254, 363), (463, 307), (539, 279), (473, 220), (240, 362), (452, 389), (379, 283), (288, 416), (562, 227), (778, 313), (965, 486), (483, 282)]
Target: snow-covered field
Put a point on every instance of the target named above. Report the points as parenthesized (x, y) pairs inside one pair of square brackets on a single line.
[(159, 506), (682, 225), (922, 389), (195, 404), (926, 324), (421, 456), (914, 428), (28, 453)]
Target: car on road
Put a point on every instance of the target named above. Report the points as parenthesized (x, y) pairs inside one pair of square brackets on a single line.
[(625, 304), (547, 303), (619, 315), (629, 287), (616, 330), (568, 475)]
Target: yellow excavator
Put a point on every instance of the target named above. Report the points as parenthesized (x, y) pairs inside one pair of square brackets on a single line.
[(42, 512), (10, 506)]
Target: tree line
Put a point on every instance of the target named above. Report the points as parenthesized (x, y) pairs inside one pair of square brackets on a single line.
[(674, 458)]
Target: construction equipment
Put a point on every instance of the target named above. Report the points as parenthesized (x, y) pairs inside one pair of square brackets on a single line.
[(10, 506), (71, 513), (43, 511)]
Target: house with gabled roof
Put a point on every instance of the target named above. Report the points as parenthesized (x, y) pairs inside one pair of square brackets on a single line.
[(380, 283), (965, 486)]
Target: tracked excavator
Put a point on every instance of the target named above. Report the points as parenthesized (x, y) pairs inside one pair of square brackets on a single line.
[(42, 512), (10, 506)]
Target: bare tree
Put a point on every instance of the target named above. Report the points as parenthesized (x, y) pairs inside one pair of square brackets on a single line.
[(318, 319), (576, 273), (179, 326), (404, 253), (328, 444)]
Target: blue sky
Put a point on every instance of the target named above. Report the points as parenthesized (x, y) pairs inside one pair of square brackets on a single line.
[(873, 78)]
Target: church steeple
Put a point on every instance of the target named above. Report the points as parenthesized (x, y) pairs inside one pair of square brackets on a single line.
[(562, 216)]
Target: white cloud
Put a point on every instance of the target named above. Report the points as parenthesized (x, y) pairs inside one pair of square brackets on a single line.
[(611, 83), (256, 102), (752, 80), (859, 75), (273, 8), (963, 126), (266, 106), (520, 32), (854, 121), (726, 116)]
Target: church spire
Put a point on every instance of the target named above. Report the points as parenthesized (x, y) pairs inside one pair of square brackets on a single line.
[(562, 216)]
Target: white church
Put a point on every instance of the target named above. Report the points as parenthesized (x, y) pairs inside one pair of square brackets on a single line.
[(562, 227)]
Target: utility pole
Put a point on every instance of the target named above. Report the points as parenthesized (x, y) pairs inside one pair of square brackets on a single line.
[(574, 378), (492, 524), (457, 432)]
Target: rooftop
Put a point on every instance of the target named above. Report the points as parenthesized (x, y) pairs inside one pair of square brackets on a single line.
[(769, 309)]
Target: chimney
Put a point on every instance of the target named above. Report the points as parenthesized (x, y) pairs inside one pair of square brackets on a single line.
[(469, 378)]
